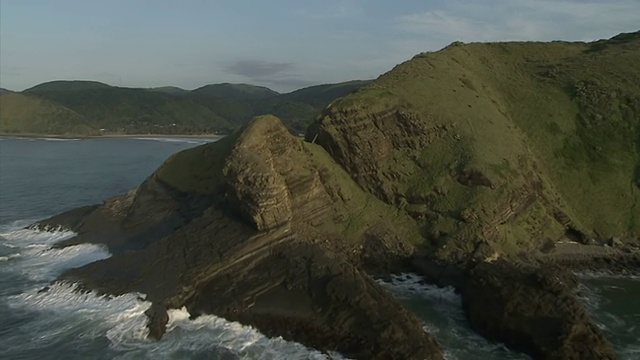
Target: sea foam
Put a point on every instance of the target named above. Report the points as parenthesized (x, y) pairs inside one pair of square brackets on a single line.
[(35, 257), (62, 311), (445, 319), (122, 321)]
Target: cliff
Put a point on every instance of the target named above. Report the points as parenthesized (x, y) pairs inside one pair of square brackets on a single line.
[(514, 145), (261, 228), (495, 168)]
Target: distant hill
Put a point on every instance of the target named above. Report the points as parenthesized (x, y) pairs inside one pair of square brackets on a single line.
[(240, 102), (298, 108), (321, 95), (24, 114), (129, 110), (235, 91), (218, 108), (171, 90), (4, 91), (68, 85)]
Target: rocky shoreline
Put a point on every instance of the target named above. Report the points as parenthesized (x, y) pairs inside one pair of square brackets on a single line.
[(247, 256), (108, 135), (532, 307), (253, 240), (497, 168)]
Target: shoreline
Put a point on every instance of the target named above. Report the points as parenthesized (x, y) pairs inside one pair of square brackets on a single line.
[(54, 136)]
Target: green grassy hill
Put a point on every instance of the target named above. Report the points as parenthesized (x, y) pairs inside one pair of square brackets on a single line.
[(171, 90), (218, 108), (235, 91), (324, 94), (128, 110), (505, 144), (298, 108), (68, 85), (23, 114), (240, 102)]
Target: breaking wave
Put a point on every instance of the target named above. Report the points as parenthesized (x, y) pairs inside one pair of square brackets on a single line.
[(62, 319), (443, 317), (612, 302)]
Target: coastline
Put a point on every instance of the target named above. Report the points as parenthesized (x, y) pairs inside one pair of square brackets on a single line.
[(71, 136)]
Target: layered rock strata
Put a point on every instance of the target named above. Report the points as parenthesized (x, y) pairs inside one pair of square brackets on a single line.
[(252, 248)]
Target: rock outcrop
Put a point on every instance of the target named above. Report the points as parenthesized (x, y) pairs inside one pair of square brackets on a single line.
[(254, 236), (534, 311), (478, 142), (503, 153)]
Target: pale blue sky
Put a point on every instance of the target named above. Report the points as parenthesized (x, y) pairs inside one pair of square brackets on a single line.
[(282, 44)]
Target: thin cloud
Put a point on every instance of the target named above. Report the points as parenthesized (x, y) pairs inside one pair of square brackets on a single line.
[(502, 20), (279, 75), (257, 69), (290, 83)]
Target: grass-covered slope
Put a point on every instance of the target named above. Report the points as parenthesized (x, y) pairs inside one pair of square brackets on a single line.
[(128, 110), (508, 144), (25, 115)]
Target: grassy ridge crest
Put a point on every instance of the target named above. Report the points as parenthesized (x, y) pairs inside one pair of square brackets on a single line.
[(506, 144)]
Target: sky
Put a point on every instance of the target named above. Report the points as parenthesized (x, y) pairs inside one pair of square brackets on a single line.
[(281, 44)]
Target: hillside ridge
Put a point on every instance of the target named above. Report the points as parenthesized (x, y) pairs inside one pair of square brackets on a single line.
[(215, 108), (516, 141)]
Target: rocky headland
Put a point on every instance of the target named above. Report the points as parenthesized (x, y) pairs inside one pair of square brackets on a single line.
[(495, 168)]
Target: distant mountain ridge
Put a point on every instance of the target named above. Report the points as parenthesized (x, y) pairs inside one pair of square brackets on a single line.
[(172, 90), (235, 91), (67, 85), (215, 108)]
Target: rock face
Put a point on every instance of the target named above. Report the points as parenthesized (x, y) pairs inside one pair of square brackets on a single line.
[(262, 159), (505, 143), (534, 311), (502, 154), (245, 238)]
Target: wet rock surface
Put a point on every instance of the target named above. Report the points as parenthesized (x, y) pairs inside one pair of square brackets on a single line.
[(530, 304), (532, 310)]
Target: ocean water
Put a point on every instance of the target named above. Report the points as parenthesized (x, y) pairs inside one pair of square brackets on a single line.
[(43, 177)]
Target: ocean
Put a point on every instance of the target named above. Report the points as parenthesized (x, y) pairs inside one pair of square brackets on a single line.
[(42, 177)]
